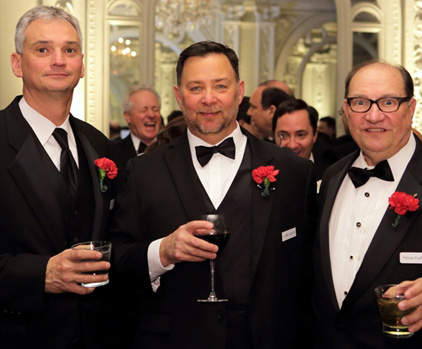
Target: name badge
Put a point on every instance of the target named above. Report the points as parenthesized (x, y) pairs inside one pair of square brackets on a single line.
[(411, 257), (288, 234)]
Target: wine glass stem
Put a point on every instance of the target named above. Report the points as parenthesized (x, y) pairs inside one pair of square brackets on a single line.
[(212, 267)]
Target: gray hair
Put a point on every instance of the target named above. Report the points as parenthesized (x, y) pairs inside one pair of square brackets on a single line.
[(127, 105), (43, 12)]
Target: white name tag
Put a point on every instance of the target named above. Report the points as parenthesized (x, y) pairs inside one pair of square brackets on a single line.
[(411, 257), (288, 234)]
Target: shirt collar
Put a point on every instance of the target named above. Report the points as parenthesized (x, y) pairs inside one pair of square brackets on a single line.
[(136, 141), (398, 162), (42, 127), (238, 137)]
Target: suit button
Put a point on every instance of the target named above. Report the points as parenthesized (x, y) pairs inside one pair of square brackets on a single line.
[(76, 212), (220, 315)]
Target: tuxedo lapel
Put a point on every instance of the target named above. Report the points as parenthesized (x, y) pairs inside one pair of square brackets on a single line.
[(380, 252), (33, 179), (330, 194), (261, 206), (186, 181), (91, 156)]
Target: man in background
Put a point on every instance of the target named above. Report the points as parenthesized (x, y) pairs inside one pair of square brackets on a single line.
[(244, 119), (262, 104), (141, 108), (295, 127), (327, 126)]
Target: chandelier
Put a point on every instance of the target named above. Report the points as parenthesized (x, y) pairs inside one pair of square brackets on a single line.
[(177, 16)]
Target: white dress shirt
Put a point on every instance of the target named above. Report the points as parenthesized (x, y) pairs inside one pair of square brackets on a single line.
[(216, 177), (43, 129), (136, 141), (356, 215)]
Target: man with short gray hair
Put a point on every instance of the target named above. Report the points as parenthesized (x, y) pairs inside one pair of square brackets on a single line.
[(141, 108), (50, 194)]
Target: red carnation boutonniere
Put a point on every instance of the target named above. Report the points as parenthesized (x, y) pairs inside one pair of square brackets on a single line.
[(106, 167), (263, 176), (402, 203)]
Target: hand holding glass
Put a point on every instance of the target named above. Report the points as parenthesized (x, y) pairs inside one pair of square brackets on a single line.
[(102, 246), (388, 299), (219, 237)]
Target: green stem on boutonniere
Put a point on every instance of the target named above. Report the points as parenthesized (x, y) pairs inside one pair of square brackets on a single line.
[(103, 187), (102, 174), (266, 191), (396, 221)]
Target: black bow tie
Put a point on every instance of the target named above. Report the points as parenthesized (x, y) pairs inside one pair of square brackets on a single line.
[(204, 154), (360, 176)]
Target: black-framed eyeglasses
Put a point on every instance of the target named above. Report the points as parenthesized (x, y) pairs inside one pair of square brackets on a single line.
[(385, 104)]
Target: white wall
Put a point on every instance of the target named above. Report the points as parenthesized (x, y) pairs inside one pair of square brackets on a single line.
[(10, 12)]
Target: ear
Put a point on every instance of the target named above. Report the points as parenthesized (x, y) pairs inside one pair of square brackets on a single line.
[(314, 138), (346, 109), (241, 90), (412, 106), (16, 64), (177, 95), (272, 109), (127, 117), (83, 67)]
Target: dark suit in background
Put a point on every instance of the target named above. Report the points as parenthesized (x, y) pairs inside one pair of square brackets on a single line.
[(122, 151)]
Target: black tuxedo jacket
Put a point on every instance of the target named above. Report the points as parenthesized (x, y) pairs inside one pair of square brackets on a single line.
[(122, 151), (32, 231), (161, 194), (357, 324)]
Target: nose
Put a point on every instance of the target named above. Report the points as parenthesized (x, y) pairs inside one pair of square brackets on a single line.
[(374, 114), (58, 58), (208, 97), (291, 143)]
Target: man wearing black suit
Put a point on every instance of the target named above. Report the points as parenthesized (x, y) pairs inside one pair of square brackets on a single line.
[(295, 127), (262, 104), (141, 107), (358, 248), (261, 269), (41, 215)]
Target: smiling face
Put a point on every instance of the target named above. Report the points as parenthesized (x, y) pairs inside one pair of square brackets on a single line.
[(51, 61), (293, 130), (144, 118), (209, 96), (380, 135)]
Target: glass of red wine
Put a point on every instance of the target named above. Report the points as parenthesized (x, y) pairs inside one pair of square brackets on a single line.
[(219, 237)]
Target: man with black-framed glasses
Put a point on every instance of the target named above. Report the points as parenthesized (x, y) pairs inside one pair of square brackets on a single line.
[(358, 246)]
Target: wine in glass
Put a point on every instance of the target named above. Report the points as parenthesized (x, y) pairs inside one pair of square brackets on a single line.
[(219, 237)]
